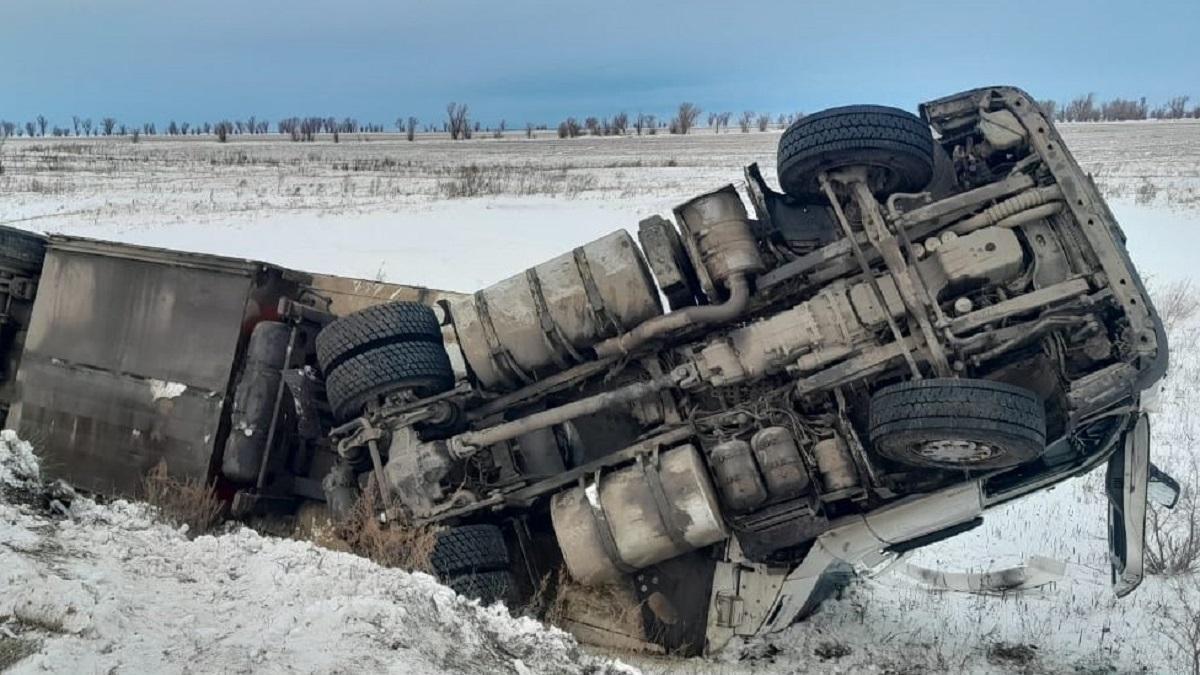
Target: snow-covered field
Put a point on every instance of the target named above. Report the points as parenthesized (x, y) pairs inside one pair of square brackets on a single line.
[(387, 207), (93, 588), (104, 587)]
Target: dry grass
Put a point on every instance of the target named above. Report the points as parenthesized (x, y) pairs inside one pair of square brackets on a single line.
[(560, 601), (192, 502), (548, 603), (475, 180), (15, 649), (1179, 619), (1173, 536), (390, 544)]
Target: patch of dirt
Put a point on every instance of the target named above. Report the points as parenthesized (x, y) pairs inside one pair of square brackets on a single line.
[(832, 651), (15, 645), (1018, 656)]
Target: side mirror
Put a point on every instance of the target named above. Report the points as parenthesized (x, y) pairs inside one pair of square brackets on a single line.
[(1162, 490)]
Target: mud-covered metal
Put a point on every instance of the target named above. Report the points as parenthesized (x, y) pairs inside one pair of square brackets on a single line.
[(616, 524), (130, 357), (548, 317)]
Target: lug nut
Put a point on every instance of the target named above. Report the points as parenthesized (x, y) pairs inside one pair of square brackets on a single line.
[(963, 305)]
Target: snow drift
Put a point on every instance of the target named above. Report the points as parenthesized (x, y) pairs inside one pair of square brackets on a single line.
[(107, 588)]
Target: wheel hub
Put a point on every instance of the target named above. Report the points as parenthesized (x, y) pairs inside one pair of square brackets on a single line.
[(956, 451)]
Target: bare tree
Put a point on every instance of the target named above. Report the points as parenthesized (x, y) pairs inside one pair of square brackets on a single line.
[(620, 123), (41, 122), (764, 121), (1082, 109), (30, 129), (686, 118), (1120, 109), (744, 122), (458, 124), (529, 130), (1176, 107), (723, 120), (222, 130), (639, 123), (1048, 107), (75, 123), (569, 128), (5, 132), (410, 128), (109, 123), (87, 126), (651, 125)]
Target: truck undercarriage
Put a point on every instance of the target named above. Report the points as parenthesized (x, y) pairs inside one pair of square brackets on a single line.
[(936, 315)]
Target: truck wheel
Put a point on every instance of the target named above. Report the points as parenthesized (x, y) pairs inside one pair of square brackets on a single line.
[(469, 548), (486, 587), (958, 424), (380, 350), (473, 560), (896, 145)]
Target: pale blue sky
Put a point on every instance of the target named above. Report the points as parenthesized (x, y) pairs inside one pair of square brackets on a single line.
[(143, 60)]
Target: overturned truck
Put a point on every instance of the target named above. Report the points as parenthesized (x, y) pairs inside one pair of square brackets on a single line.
[(935, 315)]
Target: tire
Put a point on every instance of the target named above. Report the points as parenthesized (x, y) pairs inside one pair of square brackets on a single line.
[(486, 587), (421, 366), (375, 326), (469, 548), (380, 350), (21, 251), (958, 424), (896, 144)]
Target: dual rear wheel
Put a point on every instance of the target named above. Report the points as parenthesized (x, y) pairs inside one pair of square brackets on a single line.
[(381, 350)]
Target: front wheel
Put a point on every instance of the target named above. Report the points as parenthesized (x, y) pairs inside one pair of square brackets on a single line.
[(895, 146), (958, 424)]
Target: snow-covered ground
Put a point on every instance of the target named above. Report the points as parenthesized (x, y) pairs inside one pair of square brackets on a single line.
[(149, 599), (91, 588), (387, 207)]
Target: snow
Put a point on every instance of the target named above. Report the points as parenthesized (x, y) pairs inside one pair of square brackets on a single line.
[(160, 389), (108, 587), (380, 208)]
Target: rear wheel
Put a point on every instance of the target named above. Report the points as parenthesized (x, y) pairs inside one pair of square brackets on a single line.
[(894, 145), (381, 350), (473, 560), (486, 587), (469, 548), (958, 424)]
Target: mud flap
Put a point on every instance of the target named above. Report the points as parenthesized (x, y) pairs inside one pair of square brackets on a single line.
[(1126, 482)]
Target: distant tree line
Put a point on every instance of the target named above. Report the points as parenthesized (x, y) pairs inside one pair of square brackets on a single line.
[(459, 126), (1087, 108)]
